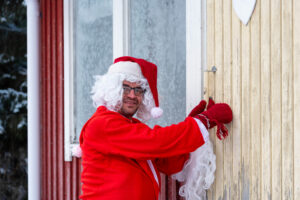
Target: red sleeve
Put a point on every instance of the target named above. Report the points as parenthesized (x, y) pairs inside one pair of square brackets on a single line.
[(171, 165), (115, 135)]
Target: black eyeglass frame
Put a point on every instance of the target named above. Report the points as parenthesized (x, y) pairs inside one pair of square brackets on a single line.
[(138, 91)]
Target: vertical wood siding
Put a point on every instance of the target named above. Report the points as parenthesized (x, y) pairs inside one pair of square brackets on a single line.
[(60, 180), (258, 74)]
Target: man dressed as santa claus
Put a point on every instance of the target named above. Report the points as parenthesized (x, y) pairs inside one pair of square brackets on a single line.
[(122, 156)]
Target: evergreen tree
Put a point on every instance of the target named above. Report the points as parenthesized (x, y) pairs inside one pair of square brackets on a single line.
[(13, 100)]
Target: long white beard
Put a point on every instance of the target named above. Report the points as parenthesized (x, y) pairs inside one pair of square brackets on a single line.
[(198, 173)]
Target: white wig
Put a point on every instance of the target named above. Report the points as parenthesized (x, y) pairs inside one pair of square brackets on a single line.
[(198, 171), (107, 91)]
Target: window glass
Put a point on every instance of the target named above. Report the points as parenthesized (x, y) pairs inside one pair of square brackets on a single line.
[(93, 53), (158, 35)]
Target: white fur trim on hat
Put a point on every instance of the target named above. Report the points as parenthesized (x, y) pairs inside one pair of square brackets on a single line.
[(126, 67), (156, 112)]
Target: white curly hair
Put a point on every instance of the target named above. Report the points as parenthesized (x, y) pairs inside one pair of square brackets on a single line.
[(107, 91)]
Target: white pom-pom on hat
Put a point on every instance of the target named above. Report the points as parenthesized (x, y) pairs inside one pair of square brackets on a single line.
[(156, 112)]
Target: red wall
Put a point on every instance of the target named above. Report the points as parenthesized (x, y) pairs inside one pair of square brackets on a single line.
[(61, 180)]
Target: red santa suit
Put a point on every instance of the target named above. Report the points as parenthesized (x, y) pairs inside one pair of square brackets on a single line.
[(122, 158)]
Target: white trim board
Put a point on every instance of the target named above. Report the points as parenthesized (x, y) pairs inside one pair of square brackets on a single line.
[(195, 51), (121, 28), (33, 78), (69, 131)]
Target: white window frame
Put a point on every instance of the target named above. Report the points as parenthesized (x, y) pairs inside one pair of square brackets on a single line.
[(195, 51), (121, 28), (195, 56), (69, 130)]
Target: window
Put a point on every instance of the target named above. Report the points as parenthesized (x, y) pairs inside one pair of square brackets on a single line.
[(168, 33), (157, 33), (88, 51)]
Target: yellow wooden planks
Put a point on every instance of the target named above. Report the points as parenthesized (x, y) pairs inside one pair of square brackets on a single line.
[(265, 101), (227, 74), (287, 101), (276, 98), (210, 53), (219, 189), (245, 117), (296, 103), (255, 113), (236, 106), (260, 159)]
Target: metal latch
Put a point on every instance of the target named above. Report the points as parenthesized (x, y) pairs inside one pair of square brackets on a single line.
[(213, 69)]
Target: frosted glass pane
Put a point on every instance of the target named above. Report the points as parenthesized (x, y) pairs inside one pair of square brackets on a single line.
[(93, 52), (158, 35)]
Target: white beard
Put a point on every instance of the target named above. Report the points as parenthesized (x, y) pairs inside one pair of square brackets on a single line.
[(198, 173)]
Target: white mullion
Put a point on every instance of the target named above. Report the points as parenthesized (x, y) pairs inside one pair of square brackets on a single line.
[(69, 131), (121, 28), (195, 51)]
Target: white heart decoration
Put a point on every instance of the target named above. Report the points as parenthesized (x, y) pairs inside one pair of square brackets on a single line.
[(244, 9)]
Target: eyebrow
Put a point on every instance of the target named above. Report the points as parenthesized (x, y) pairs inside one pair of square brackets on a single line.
[(131, 87)]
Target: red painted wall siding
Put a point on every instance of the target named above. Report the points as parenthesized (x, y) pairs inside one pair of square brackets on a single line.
[(60, 179)]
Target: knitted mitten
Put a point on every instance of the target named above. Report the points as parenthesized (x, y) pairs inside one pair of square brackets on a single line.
[(198, 109), (216, 115)]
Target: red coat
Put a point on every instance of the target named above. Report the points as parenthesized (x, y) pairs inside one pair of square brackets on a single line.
[(115, 153)]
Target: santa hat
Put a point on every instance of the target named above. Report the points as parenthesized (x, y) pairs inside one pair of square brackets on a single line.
[(142, 69)]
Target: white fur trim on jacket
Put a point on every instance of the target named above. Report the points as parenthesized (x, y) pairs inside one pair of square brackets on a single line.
[(76, 151)]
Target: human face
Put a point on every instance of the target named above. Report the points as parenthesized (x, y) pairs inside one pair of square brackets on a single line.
[(130, 101)]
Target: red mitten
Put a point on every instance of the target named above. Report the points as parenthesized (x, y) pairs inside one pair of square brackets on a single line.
[(198, 109), (210, 103), (217, 114)]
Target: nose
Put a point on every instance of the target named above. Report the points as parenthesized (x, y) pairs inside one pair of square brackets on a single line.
[(131, 94)]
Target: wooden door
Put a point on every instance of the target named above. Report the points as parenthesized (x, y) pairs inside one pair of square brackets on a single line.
[(258, 68)]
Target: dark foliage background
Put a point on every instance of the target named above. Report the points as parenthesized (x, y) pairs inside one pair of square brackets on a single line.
[(13, 100)]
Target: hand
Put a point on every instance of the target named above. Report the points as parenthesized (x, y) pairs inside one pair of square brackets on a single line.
[(216, 114)]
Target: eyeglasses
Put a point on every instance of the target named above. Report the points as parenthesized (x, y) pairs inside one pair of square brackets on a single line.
[(138, 91)]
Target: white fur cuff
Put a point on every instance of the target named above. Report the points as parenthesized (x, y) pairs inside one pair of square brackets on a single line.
[(203, 130)]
